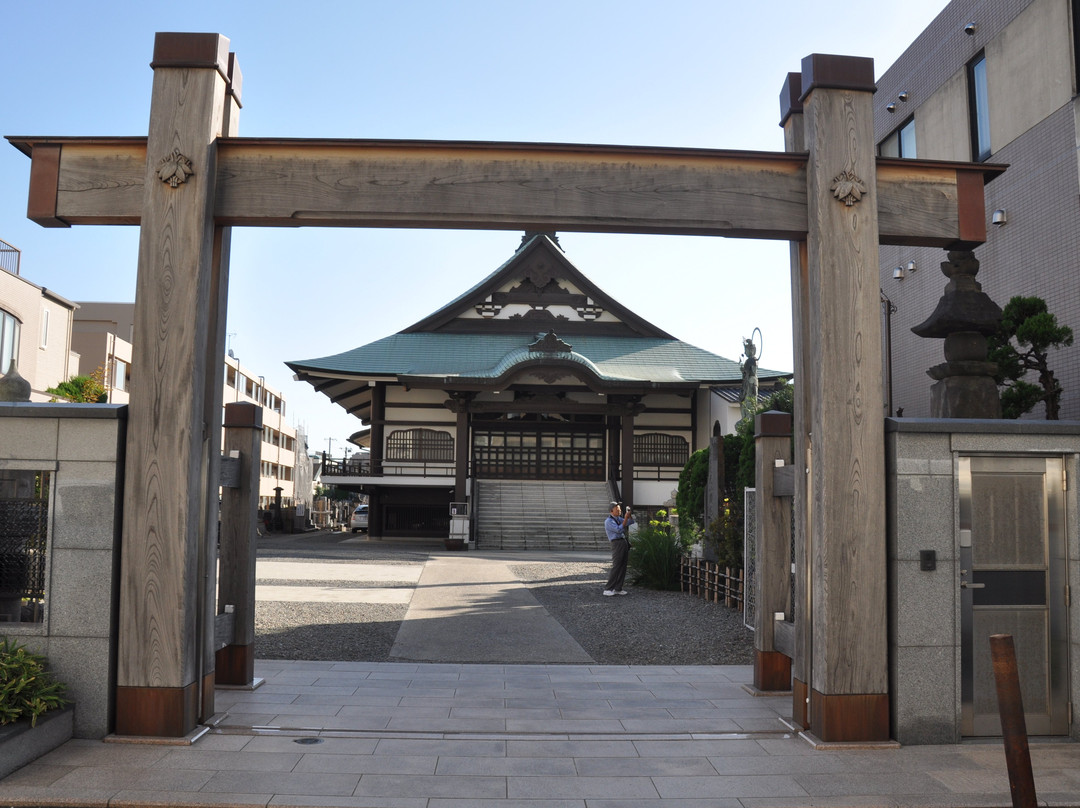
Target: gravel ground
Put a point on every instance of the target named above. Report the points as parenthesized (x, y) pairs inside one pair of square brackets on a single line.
[(645, 627)]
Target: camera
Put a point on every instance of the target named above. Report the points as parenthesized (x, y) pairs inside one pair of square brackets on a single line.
[(971, 28)]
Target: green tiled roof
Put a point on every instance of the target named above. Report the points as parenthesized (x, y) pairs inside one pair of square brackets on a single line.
[(487, 356)]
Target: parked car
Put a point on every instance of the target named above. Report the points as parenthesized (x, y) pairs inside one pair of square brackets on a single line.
[(359, 519)]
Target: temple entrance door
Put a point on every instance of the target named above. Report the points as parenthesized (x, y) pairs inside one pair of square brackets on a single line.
[(538, 451), (1012, 581)]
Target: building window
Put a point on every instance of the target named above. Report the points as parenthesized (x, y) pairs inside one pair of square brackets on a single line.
[(44, 329), (9, 340), (119, 374), (980, 111), (230, 376), (24, 518), (658, 449), (901, 143), (420, 445)]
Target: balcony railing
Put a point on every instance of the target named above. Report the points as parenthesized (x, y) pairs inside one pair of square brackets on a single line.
[(386, 468), (9, 257)]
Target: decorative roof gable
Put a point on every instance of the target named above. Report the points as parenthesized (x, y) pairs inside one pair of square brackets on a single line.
[(538, 289)]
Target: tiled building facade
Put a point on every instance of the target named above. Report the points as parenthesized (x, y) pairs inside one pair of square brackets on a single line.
[(1029, 111)]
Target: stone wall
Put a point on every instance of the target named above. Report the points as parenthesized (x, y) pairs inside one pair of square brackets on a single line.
[(923, 514), (83, 446)]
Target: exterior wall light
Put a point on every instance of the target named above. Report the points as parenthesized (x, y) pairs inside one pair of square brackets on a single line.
[(891, 108), (999, 218), (911, 266), (903, 96), (898, 274)]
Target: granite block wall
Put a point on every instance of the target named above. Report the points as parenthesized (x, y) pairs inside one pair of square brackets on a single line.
[(923, 514), (83, 446)]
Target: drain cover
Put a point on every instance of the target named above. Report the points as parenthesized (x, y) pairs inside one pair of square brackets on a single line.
[(308, 740)]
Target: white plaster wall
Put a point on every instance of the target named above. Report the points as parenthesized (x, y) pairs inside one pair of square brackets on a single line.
[(1029, 70), (942, 124)]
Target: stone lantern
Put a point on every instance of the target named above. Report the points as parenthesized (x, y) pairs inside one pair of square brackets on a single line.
[(965, 316)]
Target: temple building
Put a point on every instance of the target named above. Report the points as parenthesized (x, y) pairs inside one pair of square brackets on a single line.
[(513, 415)]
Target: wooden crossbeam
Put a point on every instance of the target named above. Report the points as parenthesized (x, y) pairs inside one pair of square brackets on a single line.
[(428, 184)]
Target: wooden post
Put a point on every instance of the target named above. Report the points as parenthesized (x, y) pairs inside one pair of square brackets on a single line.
[(628, 457), (170, 436), (235, 663), (461, 472), (378, 448), (215, 387), (849, 689), (1013, 725), (791, 118), (772, 568)]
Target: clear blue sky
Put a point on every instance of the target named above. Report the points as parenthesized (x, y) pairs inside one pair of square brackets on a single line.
[(703, 73)]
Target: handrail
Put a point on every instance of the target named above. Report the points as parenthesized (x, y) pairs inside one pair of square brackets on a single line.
[(9, 257), (395, 468)]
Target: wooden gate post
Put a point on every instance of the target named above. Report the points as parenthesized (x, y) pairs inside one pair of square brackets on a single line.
[(171, 434), (235, 663), (772, 563), (849, 690), (791, 118)]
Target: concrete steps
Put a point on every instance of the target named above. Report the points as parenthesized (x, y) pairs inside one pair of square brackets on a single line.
[(541, 515)]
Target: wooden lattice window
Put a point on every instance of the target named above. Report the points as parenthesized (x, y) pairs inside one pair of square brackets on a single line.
[(659, 449), (426, 445)]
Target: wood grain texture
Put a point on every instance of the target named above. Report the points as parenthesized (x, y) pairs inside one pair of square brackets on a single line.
[(166, 468), (236, 565), (357, 183), (102, 183), (529, 186), (772, 570), (795, 141), (844, 332)]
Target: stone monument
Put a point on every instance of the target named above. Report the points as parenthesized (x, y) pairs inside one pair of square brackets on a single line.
[(965, 316)]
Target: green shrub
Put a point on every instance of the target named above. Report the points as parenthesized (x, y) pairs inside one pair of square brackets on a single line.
[(26, 689), (656, 554), (693, 480)]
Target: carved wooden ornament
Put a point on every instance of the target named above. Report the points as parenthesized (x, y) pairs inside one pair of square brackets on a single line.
[(174, 169), (848, 188)]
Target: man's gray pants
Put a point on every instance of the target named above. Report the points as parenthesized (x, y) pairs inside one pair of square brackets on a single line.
[(620, 550)]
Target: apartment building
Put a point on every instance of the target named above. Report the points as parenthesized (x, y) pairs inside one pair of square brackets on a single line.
[(989, 81), (102, 332), (35, 328)]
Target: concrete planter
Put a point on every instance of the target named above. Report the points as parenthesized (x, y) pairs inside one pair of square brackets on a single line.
[(21, 744)]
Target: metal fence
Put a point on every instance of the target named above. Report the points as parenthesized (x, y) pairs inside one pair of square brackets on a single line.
[(749, 555), (9, 257), (24, 521)]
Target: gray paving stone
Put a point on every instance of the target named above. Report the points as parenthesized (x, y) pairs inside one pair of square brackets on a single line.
[(571, 748), (118, 778), (506, 766), (215, 760), (348, 802), (142, 798), (409, 746), (393, 785), (580, 787), (276, 783), (729, 787), (369, 764), (645, 767), (688, 748), (329, 746), (448, 724)]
